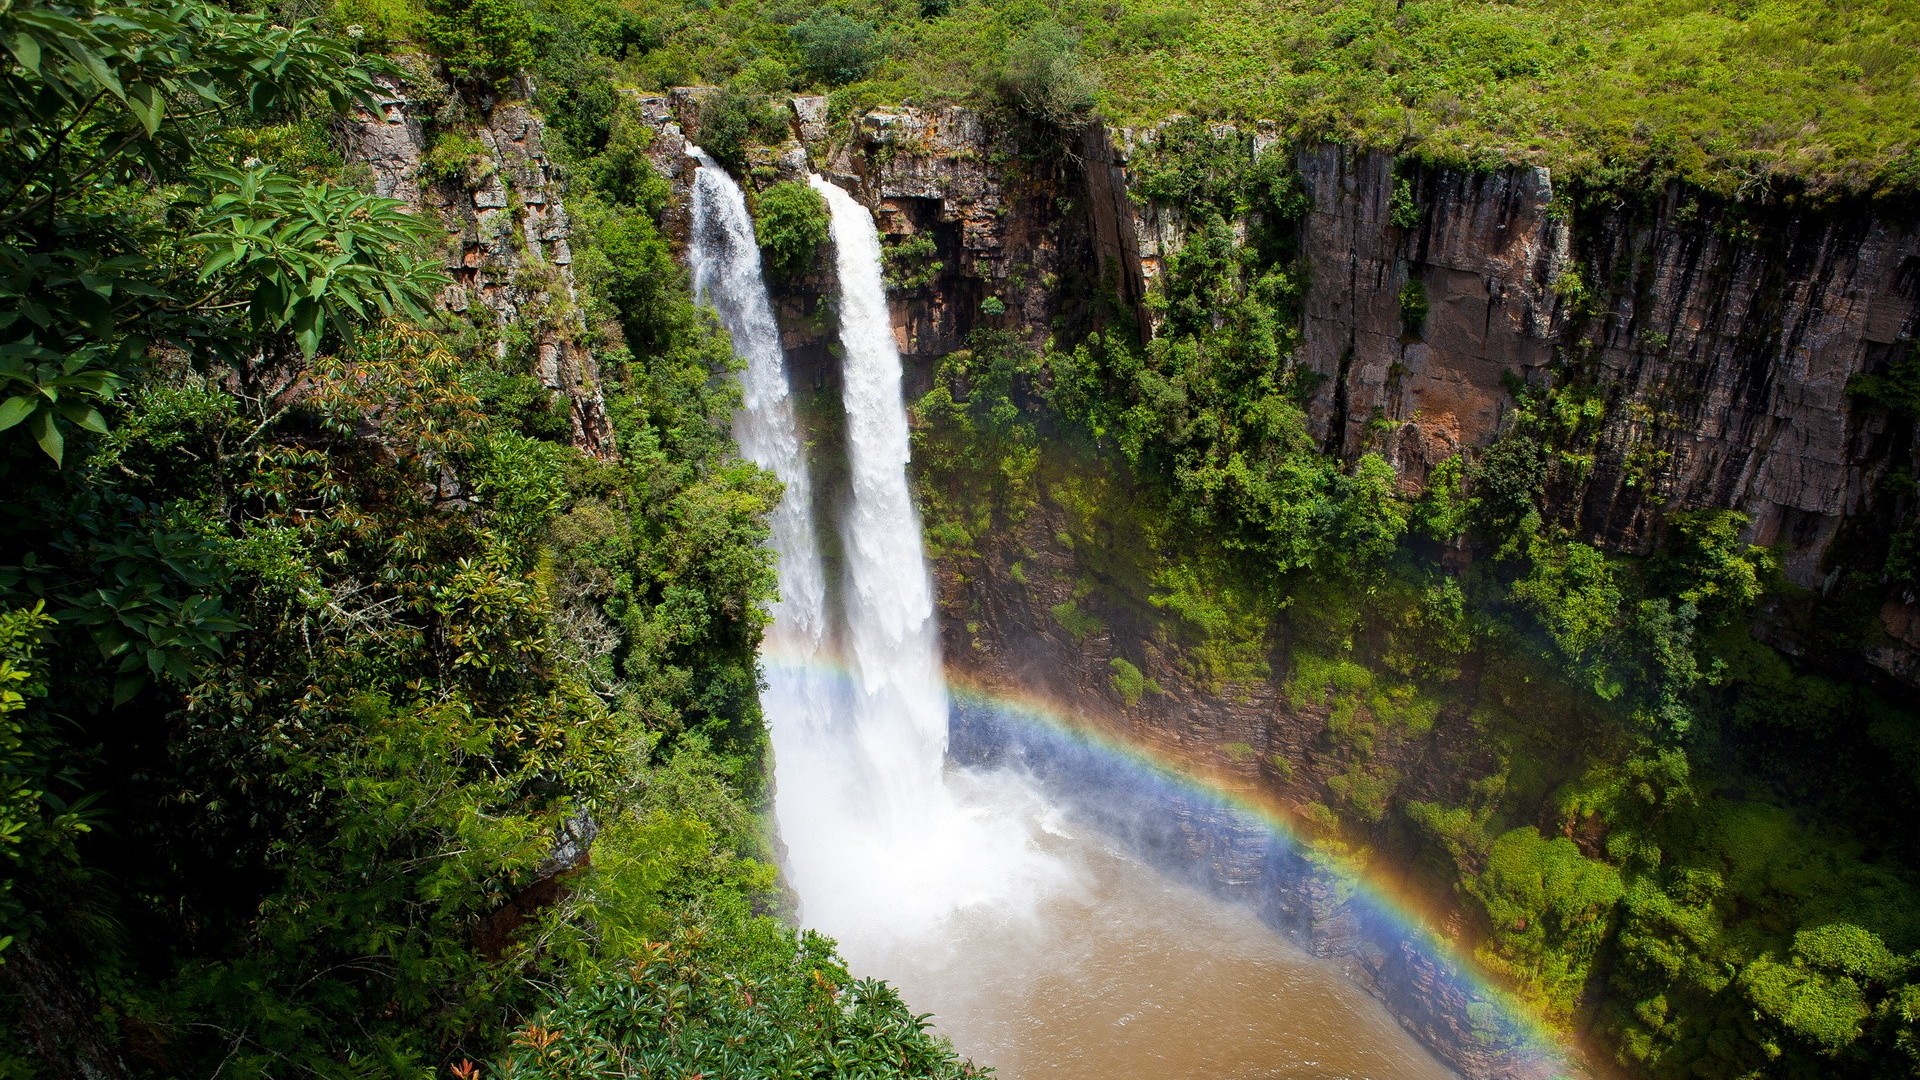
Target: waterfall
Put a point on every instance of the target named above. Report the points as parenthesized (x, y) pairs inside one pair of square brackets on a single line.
[(893, 652), (885, 846), (726, 274)]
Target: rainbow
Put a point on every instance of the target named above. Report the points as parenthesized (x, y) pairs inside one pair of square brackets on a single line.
[(994, 723)]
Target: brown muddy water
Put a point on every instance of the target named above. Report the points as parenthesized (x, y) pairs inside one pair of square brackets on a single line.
[(1130, 975)]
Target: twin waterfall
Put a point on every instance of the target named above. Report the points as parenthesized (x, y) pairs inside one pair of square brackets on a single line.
[(885, 847)]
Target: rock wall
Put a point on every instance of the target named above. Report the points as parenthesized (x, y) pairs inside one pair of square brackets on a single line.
[(1720, 338), (507, 231), (1723, 340)]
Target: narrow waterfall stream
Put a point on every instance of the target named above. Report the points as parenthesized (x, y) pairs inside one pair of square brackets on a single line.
[(1041, 946)]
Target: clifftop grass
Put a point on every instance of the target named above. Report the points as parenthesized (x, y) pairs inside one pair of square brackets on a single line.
[(1722, 93), (1727, 94)]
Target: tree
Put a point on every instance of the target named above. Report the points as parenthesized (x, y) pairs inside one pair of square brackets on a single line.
[(481, 42), (790, 221), (1040, 77), (109, 106), (835, 48)]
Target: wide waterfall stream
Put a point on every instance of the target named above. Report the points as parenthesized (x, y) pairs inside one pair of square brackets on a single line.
[(1040, 945)]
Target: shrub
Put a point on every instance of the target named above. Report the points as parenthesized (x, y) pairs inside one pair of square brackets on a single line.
[(1550, 909), (456, 157), (1706, 564), (1127, 681), (790, 220), (1413, 306), (1041, 78), (1444, 507), (1076, 622), (1897, 390), (484, 42), (1572, 591), (730, 120), (910, 262), (1403, 210), (836, 49), (382, 22), (1368, 788)]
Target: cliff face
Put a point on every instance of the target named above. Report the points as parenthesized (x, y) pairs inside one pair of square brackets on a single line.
[(1723, 340), (507, 232), (1720, 339)]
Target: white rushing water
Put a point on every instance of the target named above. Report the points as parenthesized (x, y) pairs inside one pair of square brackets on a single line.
[(726, 274), (885, 846)]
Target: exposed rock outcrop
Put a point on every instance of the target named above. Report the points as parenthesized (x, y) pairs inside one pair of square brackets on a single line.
[(507, 246), (1723, 339)]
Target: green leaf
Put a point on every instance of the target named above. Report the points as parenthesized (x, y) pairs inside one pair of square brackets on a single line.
[(44, 432), (125, 688), (147, 106), (85, 416), (27, 51), (16, 409)]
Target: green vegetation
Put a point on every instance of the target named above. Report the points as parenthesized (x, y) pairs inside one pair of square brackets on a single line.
[(1413, 307), (455, 157), (1073, 620), (1127, 680), (1040, 77), (1548, 907), (790, 221), (834, 48), (328, 643), (329, 637), (1732, 97), (910, 264), (479, 42)]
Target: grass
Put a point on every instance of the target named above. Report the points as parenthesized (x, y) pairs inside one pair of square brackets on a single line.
[(1726, 94), (1719, 93)]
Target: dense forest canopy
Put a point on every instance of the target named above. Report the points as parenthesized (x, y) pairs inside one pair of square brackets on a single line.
[(330, 644)]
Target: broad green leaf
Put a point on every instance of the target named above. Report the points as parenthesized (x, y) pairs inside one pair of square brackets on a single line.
[(85, 416), (147, 106), (47, 434), (16, 409), (126, 687), (26, 50)]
